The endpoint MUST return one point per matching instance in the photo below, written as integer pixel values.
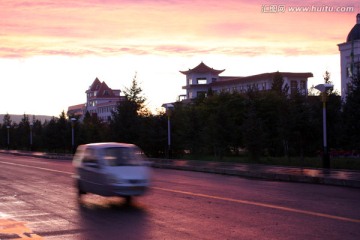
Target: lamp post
(31, 137)
(323, 88)
(8, 136)
(72, 135)
(169, 108)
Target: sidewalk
(346, 178)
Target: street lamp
(31, 137)
(323, 88)
(169, 108)
(8, 136)
(72, 134)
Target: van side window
(90, 156)
(123, 156)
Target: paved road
(37, 200)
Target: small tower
(199, 79)
(349, 57)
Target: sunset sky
(51, 51)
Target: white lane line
(258, 204)
(30, 215)
(40, 168)
(311, 213)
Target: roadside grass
(310, 162)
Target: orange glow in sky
(51, 51)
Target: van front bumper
(129, 190)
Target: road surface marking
(41, 168)
(311, 213)
(11, 229)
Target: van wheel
(80, 191)
(128, 200)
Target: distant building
(350, 57)
(101, 101)
(76, 110)
(202, 78)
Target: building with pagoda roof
(101, 101)
(350, 57)
(202, 78)
(202, 68)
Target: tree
(328, 81)
(7, 123)
(222, 119)
(126, 123)
(57, 134)
(253, 132)
(7, 120)
(281, 122)
(327, 77)
(301, 128)
(63, 132)
(273, 109)
(134, 96)
(278, 84)
(23, 132)
(187, 125)
(92, 129)
(37, 134)
(351, 113)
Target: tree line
(256, 123)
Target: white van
(111, 169)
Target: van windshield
(123, 156)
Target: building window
(302, 85)
(201, 80)
(293, 86)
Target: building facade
(202, 78)
(350, 57)
(101, 101)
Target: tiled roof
(202, 68)
(263, 76)
(104, 91)
(76, 107)
(95, 85)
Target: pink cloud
(110, 27)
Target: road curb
(199, 166)
(264, 175)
